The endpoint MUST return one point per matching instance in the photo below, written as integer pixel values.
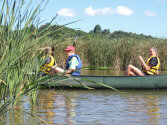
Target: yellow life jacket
(153, 70)
(47, 67)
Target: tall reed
(117, 53)
(20, 48)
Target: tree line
(59, 31)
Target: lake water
(92, 107)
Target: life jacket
(47, 67)
(78, 68)
(153, 70)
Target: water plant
(117, 53)
(20, 48)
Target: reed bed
(117, 53)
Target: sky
(148, 17)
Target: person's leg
(59, 70)
(132, 71)
(56, 70)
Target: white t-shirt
(73, 63)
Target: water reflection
(19, 115)
(101, 107)
(92, 107)
(148, 104)
(56, 107)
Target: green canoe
(117, 82)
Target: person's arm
(143, 63)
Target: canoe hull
(117, 82)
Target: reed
(20, 48)
(117, 53)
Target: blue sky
(137, 16)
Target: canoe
(117, 82)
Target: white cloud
(149, 13)
(90, 12)
(120, 10)
(93, 12)
(66, 12)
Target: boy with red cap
(73, 63)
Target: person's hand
(140, 58)
(157, 73)
(46, 47)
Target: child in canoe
(149, 68)
(50, 65)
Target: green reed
(117, 53)
(20, 49)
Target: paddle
(75, 39)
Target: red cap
(70, 48)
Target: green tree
(106, 31)
(97, 29)
(91, 32)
